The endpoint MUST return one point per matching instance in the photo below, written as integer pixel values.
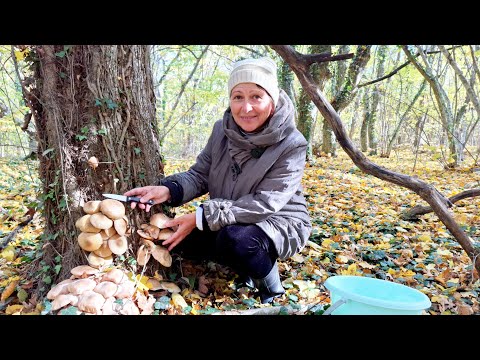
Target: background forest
(410, 109)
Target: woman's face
(251, 106)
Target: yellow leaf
(391, 271)
(407, 273)
(8, 290)
(13, 309)
(313, 253)
(8, 253)
(303, 285)
(445, 253)
(20, 55)
(157, 276)
(143, 279)
(5, 282)
(461, 218)
(327, 242)
(425, 238)
(178, 300)
(351, 270)
(298, 258)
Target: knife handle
(137, 199)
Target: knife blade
(127, 198)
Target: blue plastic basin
(358, 295)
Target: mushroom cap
(98, 262)
(106, 289)
(83, 224)
(90, 241)
(91, 207)
(159, 220)
(114, 209)
(118, 244)
(58, 290)
(170, 286)
(104, 250)
(143, 255)
(91, 302)
(110, 306)
(110, 231)
(79, 286)
(164, 234)
(120, 226)
(125, 289)
(143, 234)
(114, 275)
(93, 162)
(162, 255)
(64, 300)
(83, 271)
(101, 221)
(149, 231)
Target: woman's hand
(186, 223)
(158, 194)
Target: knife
(127, 198)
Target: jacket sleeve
(194, 181)
(278, 186)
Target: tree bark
(90, 101)
(306, 121)
(416, 211)
(438, 202)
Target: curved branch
(432, 196)
(413, 213)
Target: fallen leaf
(8, 290)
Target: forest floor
(357, 230)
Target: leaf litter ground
(357, 230)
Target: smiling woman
(253, 90)
(251, 167)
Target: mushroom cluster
(155, 230)
(93, 291)
(104, 230)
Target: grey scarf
(243, 147)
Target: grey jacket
(262, 186)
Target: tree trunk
(438, 202)
(372, 133)
(286, 81)
(442, 99)
(306, 121)
(364, 126)
(355, 116)
(347, 87)
(417, 141)
(402, 119)
(90, 101)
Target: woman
(252, 167)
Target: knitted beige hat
(262, 71)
